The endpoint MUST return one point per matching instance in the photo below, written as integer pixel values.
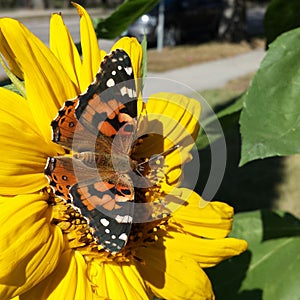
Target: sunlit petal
(62, 45)
(114, 281)
(202, 218)
(170, 120)
(173, 275)
(24, 151)
(206, 252)
(47, 84)
(178, 114)
(68, 281)
(30, 247)
(133, 48)
(91, 55)
(9, 55)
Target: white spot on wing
(119, 68)
(110, 82)
(123, 219)
(104, 222)
(123, 90)
(128, 70)
(113, 73)
(126, 91)
(107, 230)
(123, 237)
(130, 93)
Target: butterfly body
(99, 128)
(104, 161)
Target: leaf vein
(267, 255)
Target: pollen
(80, 234)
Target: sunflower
(47, 248)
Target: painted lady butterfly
(99, 127)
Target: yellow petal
(133, 48)
(68, 281)
(91, 55)
(47, 84)
(202, 218)
(24, 152)
(206, 252)
(173, 275)
(12, 60)
(170, 119)
(117, 281)
(30, 246)
(62, 45)
(199, 229)
(179, 115)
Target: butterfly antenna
(164, 154)
(153, 158)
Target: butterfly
(99, 127)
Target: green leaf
(122, 17)
(270, 269)
(270, 120)
(281, 16)
(228, 118)
(144, 62)
(12, 88)
(234, 107)
(17, 84)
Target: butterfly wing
(109, 208)
(60, 176)
(110, 102)
(99, 122)
(111, 233)
(105, 201)
(108, 108)
(65, 126)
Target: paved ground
(201, 76)
(37, 21)
(209, 75)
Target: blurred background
(177, 21)
(51, 3)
